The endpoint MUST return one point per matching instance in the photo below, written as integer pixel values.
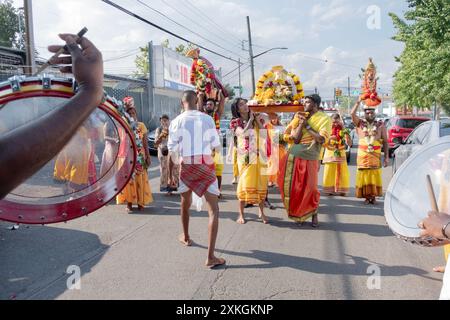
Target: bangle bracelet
(444, 233)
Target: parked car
(348, 122)
(151, 143)
(401, 127)
(224, 131)
(424, 134)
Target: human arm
(201, 101)
(354, 115)
(158, 137)
(23, 151)
(221, 107)
(148, 159)
(436, 225)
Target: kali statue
(369, 88)
(203, 76)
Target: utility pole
(252, 65)
(29, 43)
(240, 83)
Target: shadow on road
(35, 258)
(359, 267)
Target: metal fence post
(151, 83)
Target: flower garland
(279, 87)
(134, 125)
(338, 142)
(202, 76)
(370, 132)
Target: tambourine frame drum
(409, 184)
(96, 195)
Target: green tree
(10, 33)
(424, 74)
(230, 90)
(142, 65)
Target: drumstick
(59, 52)
(434, 205)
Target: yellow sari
(138, 189)
(369, 181)
(253, 180)
(336, 177)
(72, 163)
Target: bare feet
(264, 219)
(186, 241)
(439, 269)
(129, 208)
(141, 208)
(215, 262)
(241, 220)
(315, 221)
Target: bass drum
(87, 174)
(407, 199)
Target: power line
(198, 24)
(184, 27)
(234, 76)
(122, 57)
(164, 30)
(213, 23)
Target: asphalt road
(137, 256)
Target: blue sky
(314, 31)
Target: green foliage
(141, 60)
(230, 90)
(142, 65)
(424, 75)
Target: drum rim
(91, 200)
(388, 213)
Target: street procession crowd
(263, 152)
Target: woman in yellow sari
(138, 189)
(72, 163)
(336, 177)
(251, 149)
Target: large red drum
(87, 174)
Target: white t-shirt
(193, 133)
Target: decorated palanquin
(369, 87)
(203, 77)
(278, 91)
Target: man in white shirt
(193, 137)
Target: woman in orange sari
(276, 130)
(138, 189)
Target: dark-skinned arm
(355, 119)
(221, 107)
(25, 150)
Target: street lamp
(258, 55)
